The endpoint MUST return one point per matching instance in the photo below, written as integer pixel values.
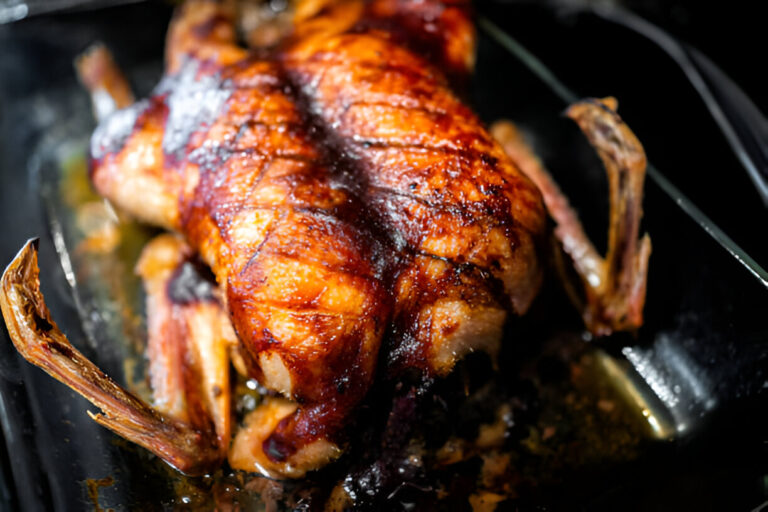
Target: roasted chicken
(345, 200)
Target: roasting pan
(674, 418)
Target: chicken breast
(466, 220)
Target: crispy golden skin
(219, 153)
(464, 217)
(442, 31)
(399, 212)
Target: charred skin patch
(191, 282)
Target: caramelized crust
(442, 186)
(440, 30)
(220, 154)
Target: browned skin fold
(100, 75)
(612, 288)
(440, 30)
(194, 451)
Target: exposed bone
(614, 286)
(39, 340)
(109, 88)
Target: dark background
(597, 58)
(732, 34)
